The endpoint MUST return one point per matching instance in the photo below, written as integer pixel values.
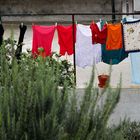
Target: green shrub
(62, 67)
(131, 131)
(34, 107)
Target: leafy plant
(62, 67)
(34, 107)
(131, 131)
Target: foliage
(34, 107)
(62, 67)
(131, 131)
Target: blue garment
(135, 67)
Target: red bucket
(103, 80)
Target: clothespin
(106, 22)
(56, 24)
(100, 20)
(66, 57)
(76, 22)
(21, 24)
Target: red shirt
(65, 38)
(97, 35)
(42, 38)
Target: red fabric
(42, 38)
(97, 35)
(65, 38)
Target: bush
(62, 67)
(34, 107)
(131, 131)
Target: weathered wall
(57, 6)
(53, 6)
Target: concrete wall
(83, 75)
(128, 106)
(133, 6)
(56, 6)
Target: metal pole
(74, 54)
(65, 14)
(113, 11)
(0, 20)
(127, 6)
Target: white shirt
(87, 54)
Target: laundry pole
(74, 54)
(0, 20)
(113, 11)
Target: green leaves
(38, 101)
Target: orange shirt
(114, 36)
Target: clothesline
(51, 22)
(109, 47)
(61, 14)
(72, 21)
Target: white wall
(83, 75)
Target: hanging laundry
(87, 54)
(23, 29)
(42, 38)
(98, 36)
(1, 33)
(135, 59)
(112, 56)
(65, 39)
(135, 67)
(114, 36)
(132, 36)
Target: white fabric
(132, 36)
(135, 62)
(87, 54)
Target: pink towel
(42, 38)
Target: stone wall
(56, 6)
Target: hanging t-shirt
(135, 67)
(98, 36)
(65, 39)
(42, 38)
(135, 60)
(114, 36)
(87, 54)
(132, 35)
(112, 56)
